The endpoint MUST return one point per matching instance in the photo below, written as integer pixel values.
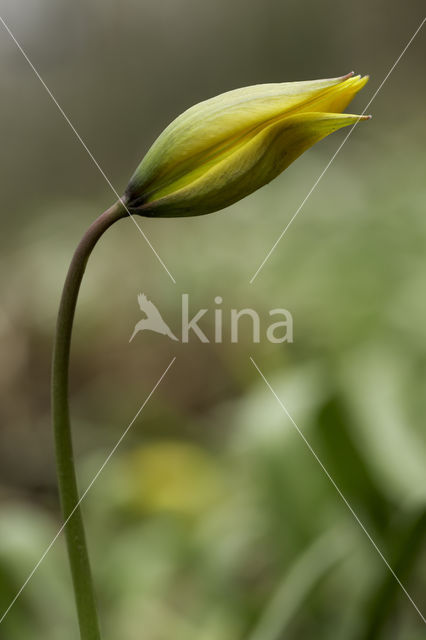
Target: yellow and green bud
(221, 150)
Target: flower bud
(221, 150)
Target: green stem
(74, 530)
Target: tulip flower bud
(221, 150)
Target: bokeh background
(213, 521)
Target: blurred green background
(213, 521)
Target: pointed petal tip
(358, 118)
(358, 76)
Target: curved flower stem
(74, 530)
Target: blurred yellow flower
(173, 477)
(221, 150)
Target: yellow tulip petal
(224, 148)
(210, 127)
(256, 161)
(336, 100)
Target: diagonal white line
(80, 139)
(331, 479)
(92, 482)
(317, 181)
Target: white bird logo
(153, 320)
